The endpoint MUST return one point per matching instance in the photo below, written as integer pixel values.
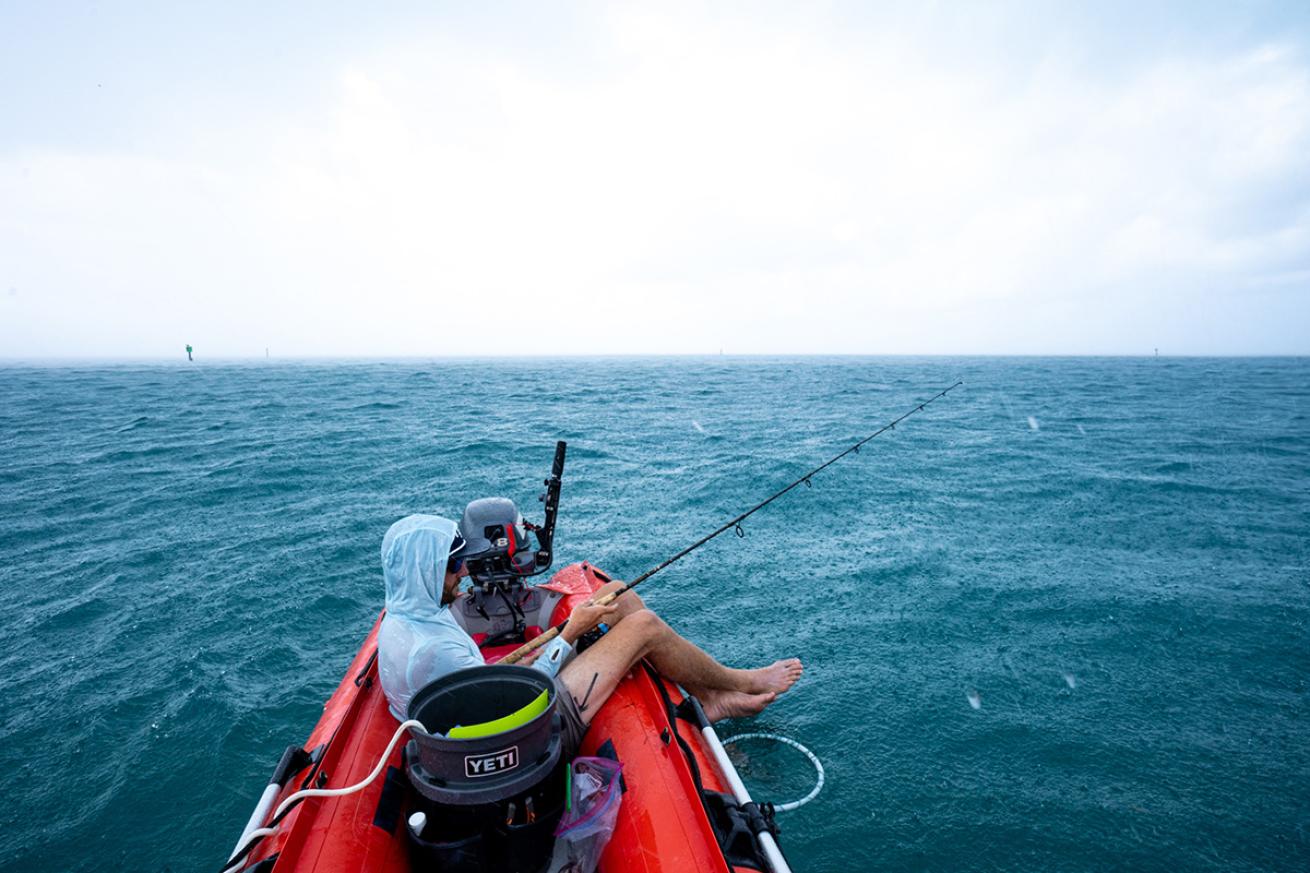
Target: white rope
(814, 759)
(337, 792)
(327, 792)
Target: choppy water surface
(1057, 622)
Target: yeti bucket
(506, 741)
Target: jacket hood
(414, 554)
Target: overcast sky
(478, 178)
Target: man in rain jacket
(420, 640)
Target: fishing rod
(734, 525)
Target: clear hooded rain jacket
(420, 641)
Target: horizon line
(9, 360)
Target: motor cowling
(498, 545)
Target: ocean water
(1056, 622)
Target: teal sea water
(1057, 622)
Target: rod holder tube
(293, 759)
(257, 817)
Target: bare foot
(777, 677)
(719, 705)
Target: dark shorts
(573, 726)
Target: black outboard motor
(489, 802)
(500, 558)
(498, 549)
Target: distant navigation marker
(188, 352)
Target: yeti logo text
(491, 763)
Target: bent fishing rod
(733, 525)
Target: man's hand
(586, 617)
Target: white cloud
(696, 184)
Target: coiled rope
(814, 759)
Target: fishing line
(733, 525)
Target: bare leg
(685, 663)
(592, 677)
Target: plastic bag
(588, 823)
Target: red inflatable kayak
(683, 807)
